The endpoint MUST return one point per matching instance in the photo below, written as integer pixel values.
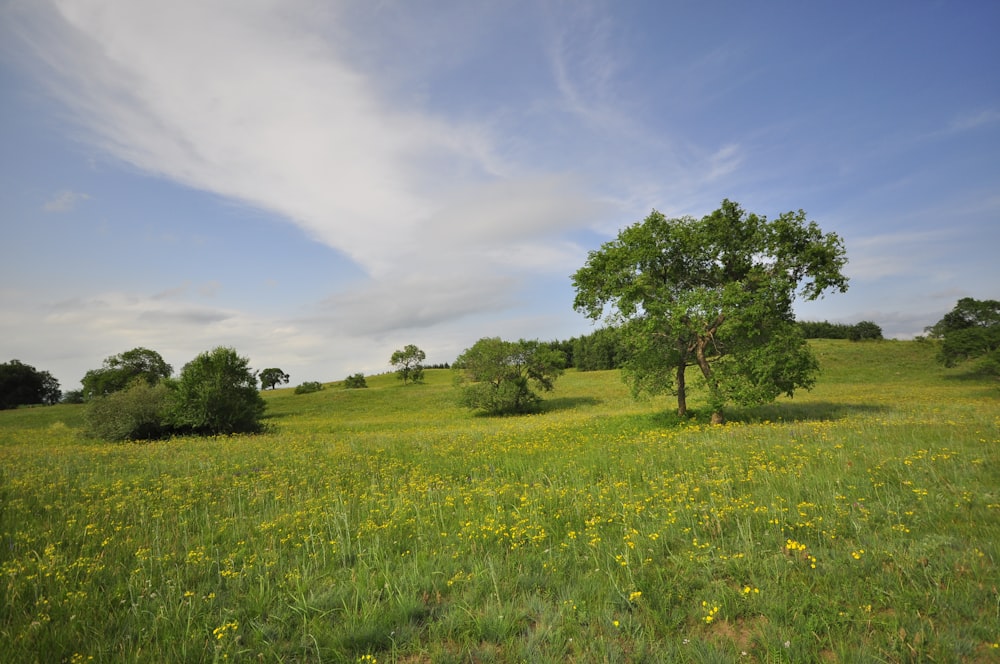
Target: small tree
(217, 394)
(497, 376)
(866, 330)
(355, 381)
(970, 330)
(271, 377)
(408, 363)
(119, 371)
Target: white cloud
(245, 100)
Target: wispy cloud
(255, 106)
(64, 201)
(974, 120)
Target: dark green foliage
(139, 412)
(409, 363)
(217, 394)
(308, 387)
(715, 293)
(119, 371)
(825, 330)
(970, 330)
(269, 378)
(21, 384)
(355, 381)
(566, 348)
(600, 350)
(866, 330)
(73, 396)
(497, 376)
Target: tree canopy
(970, 330)
(409, 363)
(22, 384)
(119, 371)
(217, 394)
(498, 375)
(715, 293)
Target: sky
(317, 183)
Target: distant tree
(72, 396)
(866, 330)
(715, 293)
(355, 381)
(600, 350)
(970, 330)
(409, 363)
(309, 387)
(497, 376)
(139, 412)
(825, 330)
(567, 348)
(119, 371)
(217, 394)
(22, 384)
(271, 377)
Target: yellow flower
(634, 595)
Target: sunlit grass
(858, 522)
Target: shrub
(139, 412)
(355, 381)
(217, 394)
(308, 387)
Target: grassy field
(859, 522)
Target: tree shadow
(810, 411)
(565, 403)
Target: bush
(355, 381)
(73, 396)
(139, 412)
(217, 394)
(308, 387)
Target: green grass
(859, 522)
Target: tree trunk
(682, 405)
(713, 388)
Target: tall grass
(859, 522)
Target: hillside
(856, 522)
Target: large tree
(119, 371)
(970, 330)
(22, 384)
(409, 363)
(715, 293)
(498, 376)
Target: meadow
(858, 522)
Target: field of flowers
(859, 522)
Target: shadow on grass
(565, 403)
(813, 411)
(804, 412)
(545, 406)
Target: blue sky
(318, 184)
